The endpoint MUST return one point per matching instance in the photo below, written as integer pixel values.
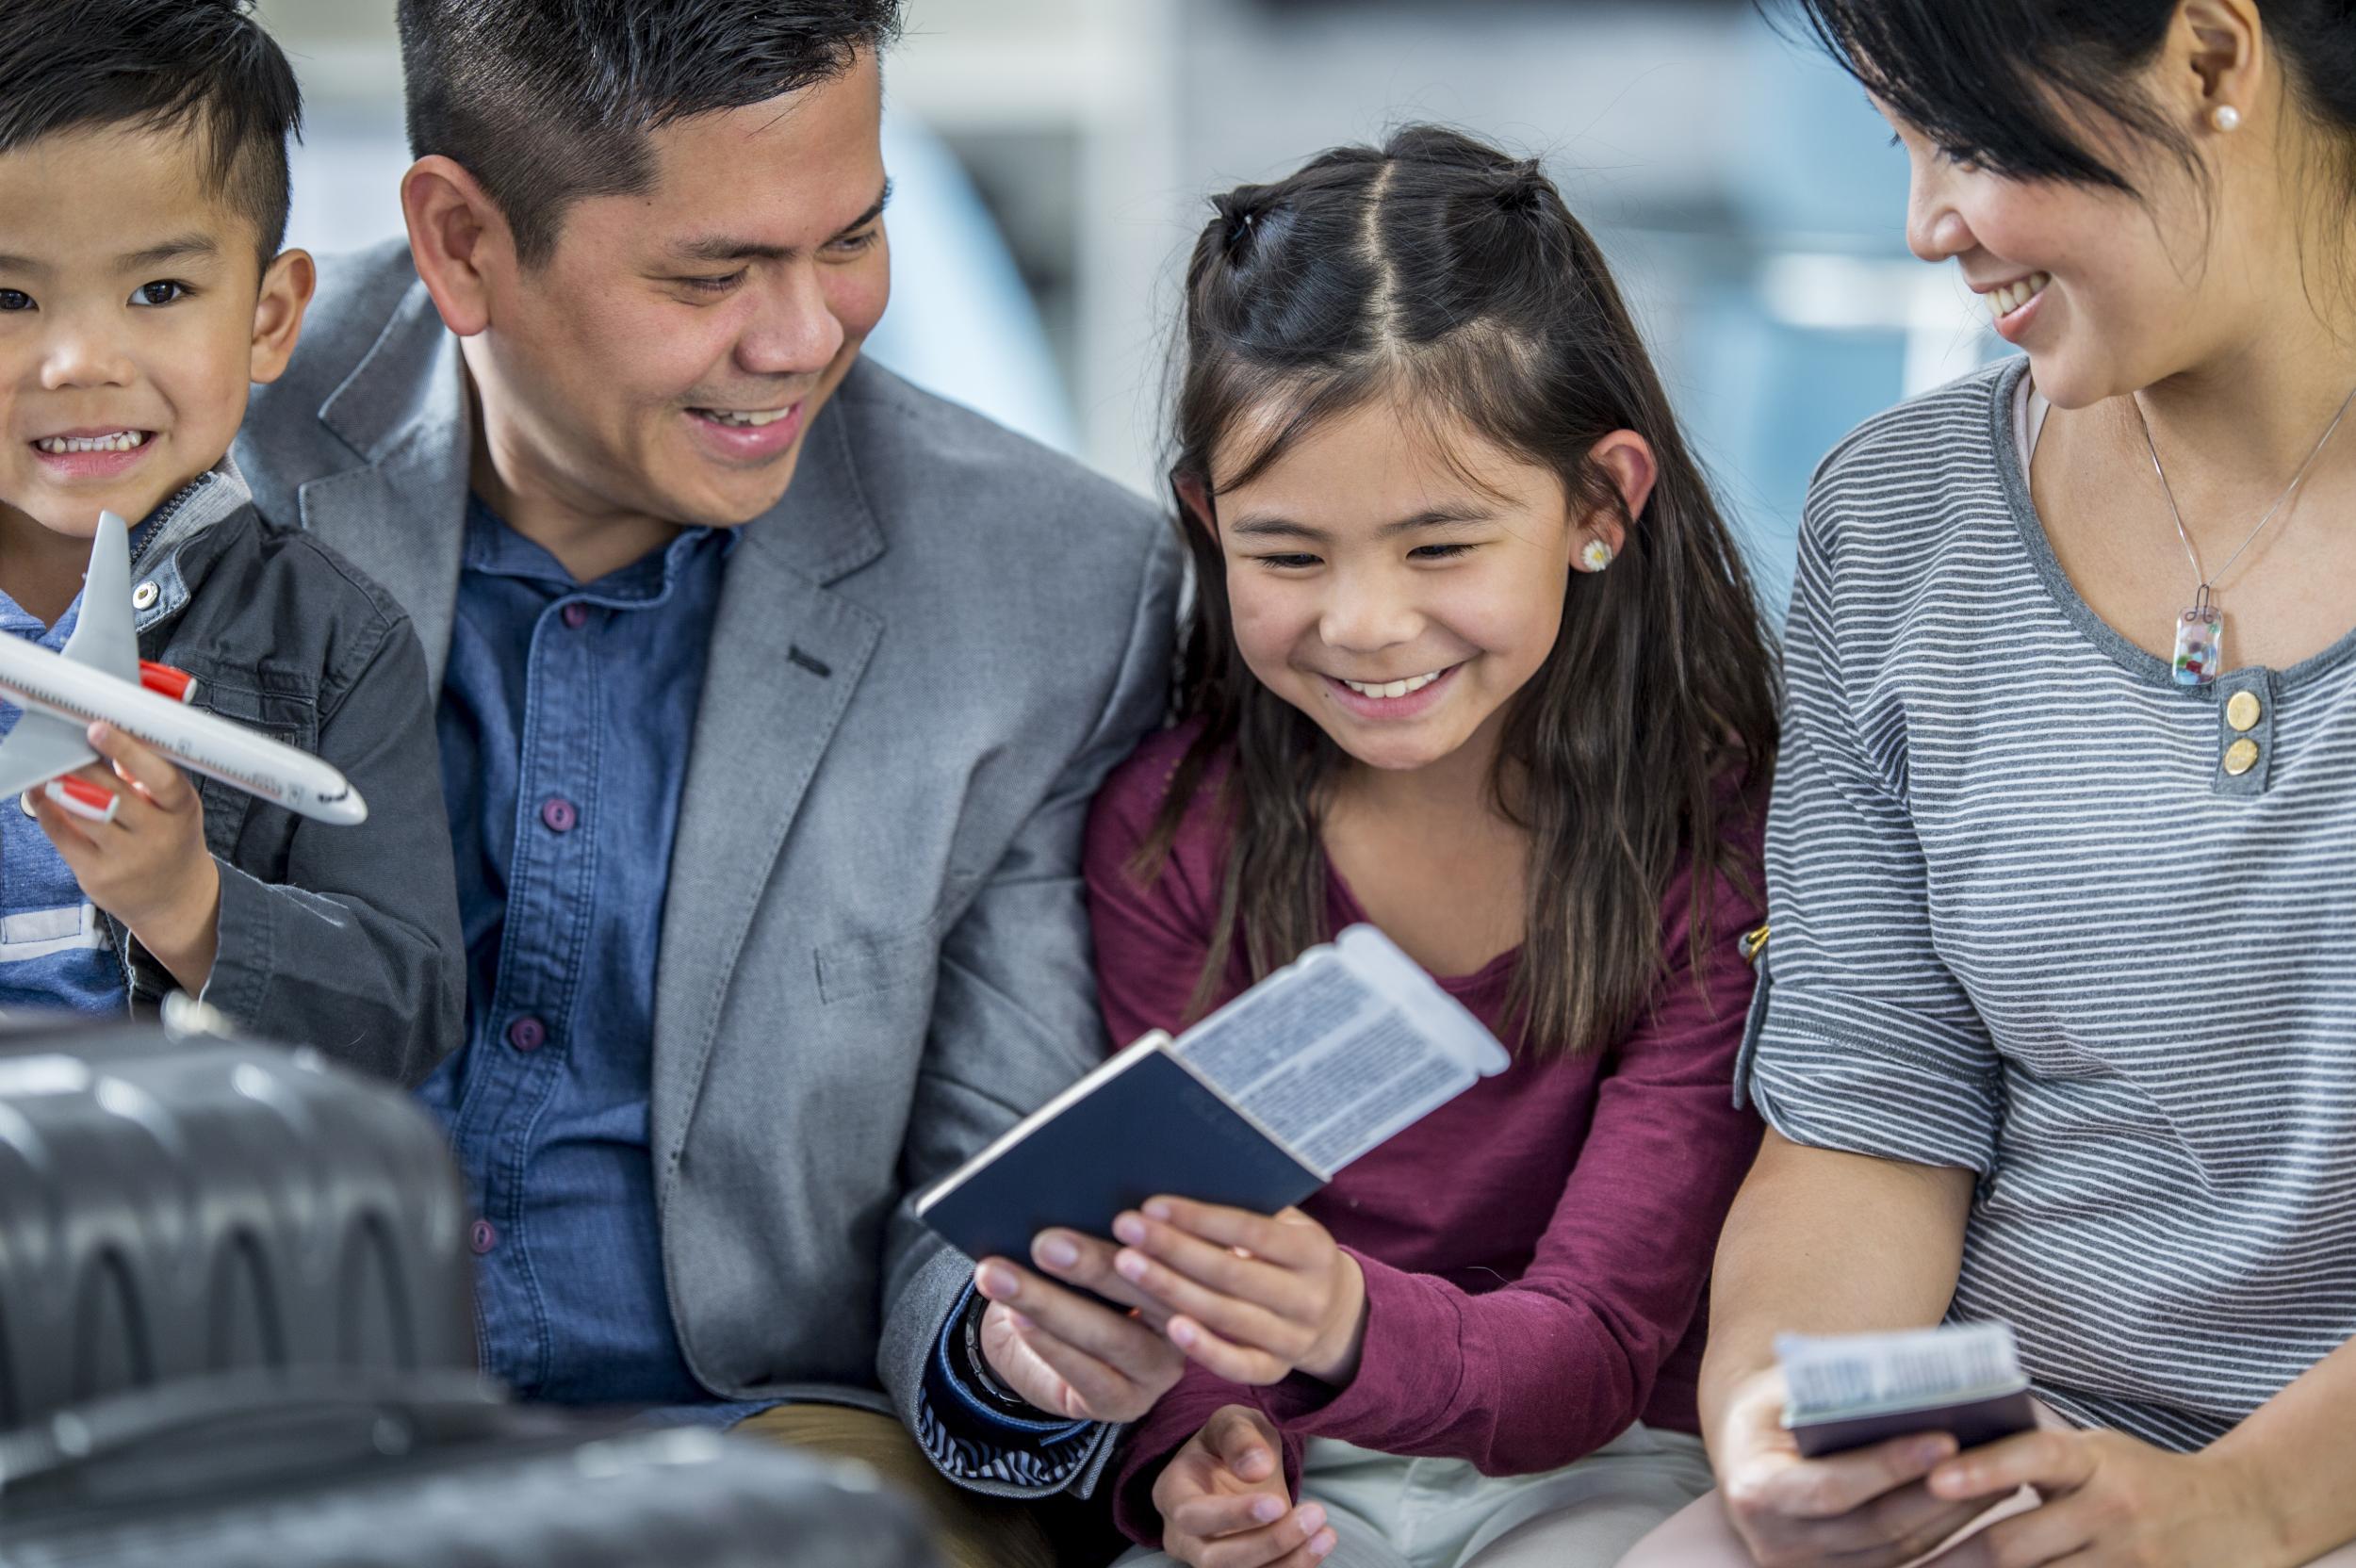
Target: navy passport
(1140, 1126)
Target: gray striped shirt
(2027, 921)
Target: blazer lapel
(401, 516)
(786, 656)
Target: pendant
(2200, 640)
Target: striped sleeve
(1863, 1041)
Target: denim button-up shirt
(566, 720)
(566, 717)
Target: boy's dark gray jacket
(343, 938)
(875, 954)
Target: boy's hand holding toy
(148, 867)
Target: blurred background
(1051, 160)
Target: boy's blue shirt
(343, 938)
(54, 947)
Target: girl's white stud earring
(2225, 117)
(1595, 557)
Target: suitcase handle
(300, 1420)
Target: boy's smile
(130, 325)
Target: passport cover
(1140, 1126)
(1971, 1424)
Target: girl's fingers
(1279, 1242)
(165, 784)
(1250, 1278)
(1283, 1544)
(1211, 1518)
(1237, 1363)
(1245, 1322)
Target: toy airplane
(100, 674)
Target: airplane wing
(38, 749)
(103, 635)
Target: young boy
(143, 197)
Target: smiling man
(773, 693)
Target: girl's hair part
(1450, 280)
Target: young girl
(2063, 970)
(1474, 660)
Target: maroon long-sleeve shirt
(1534, 1251)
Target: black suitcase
(177, 1204)
(336, 1471)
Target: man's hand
(1870, 1508)
(148, 868)
(2110, 1501)
(1065, 1353)
(1223, 1502)
(1252, 1297)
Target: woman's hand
(1253, 1298)
(1869, 1509)
(148, 868)
(1223, 1502)
(1067, 1354)
(2110, 1501)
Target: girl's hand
(1223, 1502)
(1870, 1508)
(1253, 1298)
(148, 868)
(2109, 1501)
(1065, 1353)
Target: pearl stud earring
(1595, 557)
(2225, 117)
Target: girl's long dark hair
(1439, 272)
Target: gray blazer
(874, 955)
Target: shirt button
(2241, 756)
(559, 815)
(576, 614)
(144, 595)
(482, 1237)
(527, 1034)
(2243, 712)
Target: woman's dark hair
(1996, 82)
(1439, 273)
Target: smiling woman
(2001, 1080)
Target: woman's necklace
(2201, 629)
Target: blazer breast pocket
(871, 963)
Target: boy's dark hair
(546, 101)
(204, 66)
(1438, 272)
(1997, 82)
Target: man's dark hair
(546, 101)
(199, 66)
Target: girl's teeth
(122, 441)
(2005, 301)
(1393, 688)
